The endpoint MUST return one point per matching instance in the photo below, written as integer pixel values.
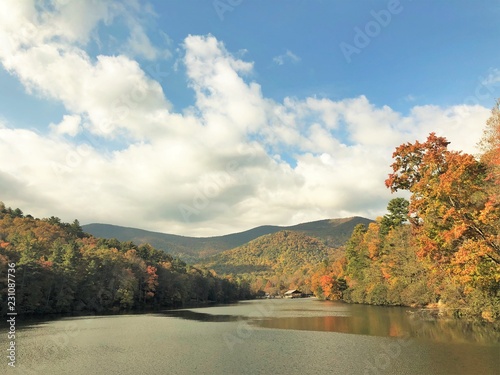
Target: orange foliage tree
(454, 208)
(450, 203)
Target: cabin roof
(293, 291)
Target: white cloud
(287, 56)
(218, 167)
(113, 93)
(70, 125)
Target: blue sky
(424, 52)
(207, 117)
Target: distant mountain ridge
(332, 232)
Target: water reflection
(326, 316)
(314, 315)
(201, 317)
(358, 320)
(387, 322)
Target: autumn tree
(448, 197)
(454, 214)
(490, 145)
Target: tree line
(61, 269)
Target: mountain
(332, 232)
(283, 252)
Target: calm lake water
(302, 336)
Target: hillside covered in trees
(61, 269)
(283, 252)
(275, 262)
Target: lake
(298, 336)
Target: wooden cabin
(293, 293)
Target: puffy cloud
(112, 92)
(234, 160)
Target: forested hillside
(276, 262)
(61, 269)
(284, 252)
